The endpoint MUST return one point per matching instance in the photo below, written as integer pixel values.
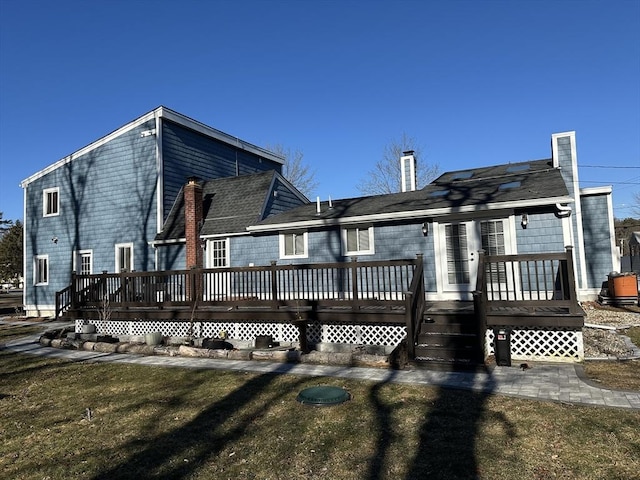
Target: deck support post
(302, 329)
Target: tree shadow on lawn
(447, 438)
(199, 439)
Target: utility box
(502, 346)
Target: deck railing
(355, 283)
(415, 307)
(530, 283)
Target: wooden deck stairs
(449, 339)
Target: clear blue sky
(475, 82)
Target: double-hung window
(41, 270)
(124, 257)
(50, 202)
(217, 253)
(293, 245)
(357, 241)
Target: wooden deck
(518, 291)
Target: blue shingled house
(101, 207)
(167, 193)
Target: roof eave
(407, 215)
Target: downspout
(563, 210)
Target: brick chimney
(193, 222)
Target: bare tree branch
(295, 170)
(385, 177)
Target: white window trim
(118, 267)
(36, 270)
(346, 252)
(76, 256)
(45, 195)
(209, 252)
(305, 239)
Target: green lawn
(65, 420)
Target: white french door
(457, 248)
(217, 284)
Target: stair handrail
(415, 306)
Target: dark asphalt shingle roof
(229, 206)
(529, 181)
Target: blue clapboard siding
(187, 153)
(544, 234)
(107, 196)
(597, 239)
(391, 243)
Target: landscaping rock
(105, 347)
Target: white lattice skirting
(316, 333)
(560, 345)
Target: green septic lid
(323, 395)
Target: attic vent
(462, 176)
(518, 168)
(439, 193)
(509, 185)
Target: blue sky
(475, 82)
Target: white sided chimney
(408, 169)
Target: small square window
(358, 241)
(41, 270)
(293, 245)
(50, 202)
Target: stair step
(450, 365)
(447, 352)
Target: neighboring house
(100, 208)
(631, 262)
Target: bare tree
(636, 206)
(386, 174)
(295, 170)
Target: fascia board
(409, 215)
(178, 241)
(218, 135)
(92, 146)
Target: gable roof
(516, 185)
(230, 205)
(158, 113)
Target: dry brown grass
(152, 422)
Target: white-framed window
(124, 257)
(83, 262)
(294, 245)
(41, 270)
(357, 241)
(218, 253)
(50, 202)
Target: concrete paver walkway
(555, 382)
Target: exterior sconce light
(203, 244)
(524, 221)
(54, 240)
(425, 228)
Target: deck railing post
(480, 299)
(571, 281)
(74, 295)
(354, 282)
(274, 283)
(408, 313)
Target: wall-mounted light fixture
(524, 221)
(54, 239)
(425, 228)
